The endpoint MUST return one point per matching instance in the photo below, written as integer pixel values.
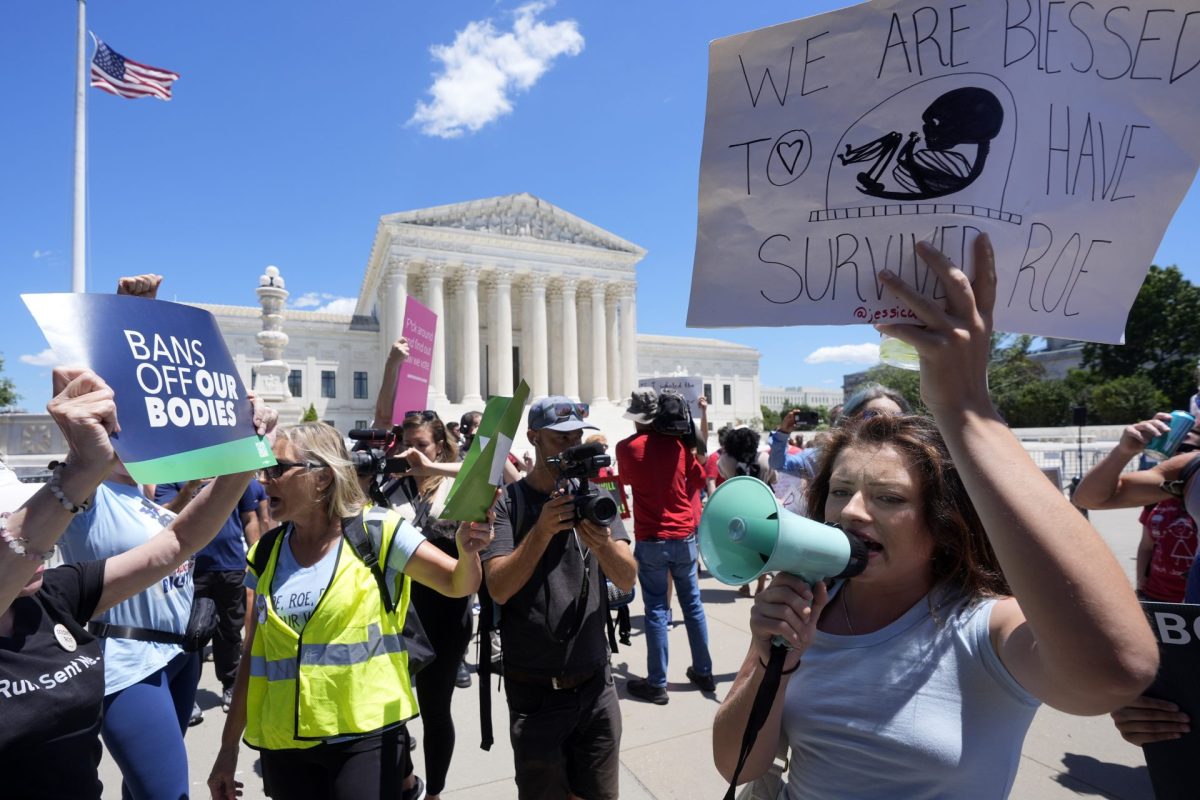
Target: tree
(770, 419)
(8, 390)
(1038, 404)
(905, 381)
(1162, 338)
(310, 415)
(1123, 401)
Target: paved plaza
(666, 750)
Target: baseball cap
(558, 413)
(643, 405)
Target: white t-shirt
(916, 710)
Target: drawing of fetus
(962, 117)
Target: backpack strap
(365, 536)
(1179, 485)
(263, 548)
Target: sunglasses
(276, 470)
(564, 410)
(428, 415)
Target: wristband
(20, 545)
(786, 671)
(55, 486)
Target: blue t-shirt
(120, 519)
(296, 590)
(227, 551)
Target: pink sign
(412, 384)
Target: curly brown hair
(963, 559)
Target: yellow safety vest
(347, 673)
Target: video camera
(370, 454)
(674, 417)
(584, 462)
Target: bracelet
(784, 672)
(55, 486)
(20, 545)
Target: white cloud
(484, 67)
(325, 303)
(46, 358)
(40, 254)
(845, 354)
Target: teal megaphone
(744, 532)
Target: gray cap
(558, 413)
(643, 405)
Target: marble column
(570, 340)
(435, 298)
(469, 363)
(554, 343)
(599, 346)
(500, 372)
(538, 356)
(397, 295)
(628, 314)
(615, 354)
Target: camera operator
(661, 465)
(544, 571)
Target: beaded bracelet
(55, 486)
(20, 545)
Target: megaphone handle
(761, 709)
(779, 642)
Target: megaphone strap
(760, 710)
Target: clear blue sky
(292, 130)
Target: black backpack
(674, 417)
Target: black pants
(447, 623)
(370, 768)
(226, 590)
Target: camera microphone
(370, 434)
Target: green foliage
(905, 381)
(310, 415)
(1162, 335)
(1038, 404)
(1125, 400)
(8, 390)
(770, 419)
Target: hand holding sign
(1148, 719)
(140, 285)
(84, 411)
(955, 342)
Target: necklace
(846, 608)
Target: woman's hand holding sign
(140, 285)
(85, 412)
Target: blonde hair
(316, 441)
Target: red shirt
(1174, 534)
(710, 468)
(666, 479)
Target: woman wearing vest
(324, 687)
(420, 500)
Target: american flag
(117, 75)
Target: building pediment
(517, 216)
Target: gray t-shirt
(917, 710)
(536, 622)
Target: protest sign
(691, 387)
(789, 491)
(412, 384)
(180, 403)
(1173, 763)
(483, 468)
(832, 145)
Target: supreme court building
(522, 290)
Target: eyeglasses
(276, 470)
(564, 410)
(428, 415)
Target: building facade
(774, 397)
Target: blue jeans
(676, 558)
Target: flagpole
(79, 244)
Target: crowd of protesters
(340, 602)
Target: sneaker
(642, 690)
(227, 699)
(417, 792)
(475, 609)
(625, 640)
(704, 683)
(463, 679)
(197, 716)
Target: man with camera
(661, 465)
(555, 542)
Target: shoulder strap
(262, 549)
(365, 535)
(1191, 469)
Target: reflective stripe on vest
(340, 655)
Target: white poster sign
(691, 387)
(1065, 130)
